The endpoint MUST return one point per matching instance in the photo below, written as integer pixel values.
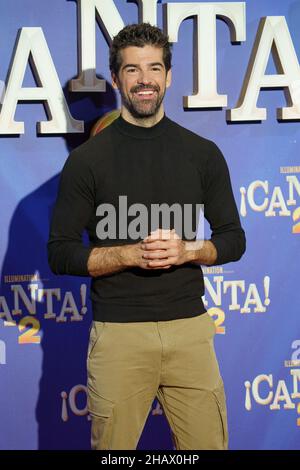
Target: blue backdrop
(44, 319)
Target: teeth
(145, 93)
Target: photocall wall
(236, 81)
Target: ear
(114, 81)
(168, 78)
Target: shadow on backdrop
(63, 344)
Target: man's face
(142, 80)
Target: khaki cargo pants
(129, 364)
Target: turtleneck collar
(140, 132)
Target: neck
(144, 121)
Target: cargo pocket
(219, 396)
(102, 422)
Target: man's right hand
(112, 259)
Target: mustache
(139, 88)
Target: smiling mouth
(145, 93)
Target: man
(151, 335)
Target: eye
(156, 68)
(131, 69)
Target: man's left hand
(164, 248)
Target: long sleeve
(163, 163)
(220, 210)
(73, 209)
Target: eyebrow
(136, 65)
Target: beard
(142, 108)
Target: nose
(144, 77)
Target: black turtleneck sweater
(165, 163)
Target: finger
(176, 236)
(159, 263)
(155, 245)
(161, 267)
(161, 254)
(159, 234)
(170, 261)
(172, 252)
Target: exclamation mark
(267, 290)
(64, 410)
(83, 298)
(243, 209)
(2, 91)
(248, 405)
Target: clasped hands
(164, 248)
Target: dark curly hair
(138, 35)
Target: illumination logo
(27, 310)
